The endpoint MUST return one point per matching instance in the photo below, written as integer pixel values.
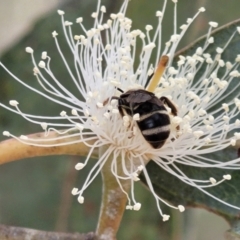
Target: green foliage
(177, 192)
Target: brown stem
(12, 149)
(113, 202)
(17, 233)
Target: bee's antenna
(120, 90)
(158, 73)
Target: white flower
(104, 68)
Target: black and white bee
(154, 121)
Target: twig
(17, 233)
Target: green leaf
(177, 192)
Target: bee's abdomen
(155, 127)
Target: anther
(81, 199)
(13, 103)
(60, 12)
(29, 50)
(181, 208)
(212, 180)
(79, 166)
(74, 191)
(227, 177)
(6, 133)
(165, 217)
(42, 64)
(137, 206)
(63, 114)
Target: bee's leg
(166, 101)
(120, 90)
(110, 99)
(120, 106)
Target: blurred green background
(35, 193)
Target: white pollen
(142, 35)
(181, 208)
(221, 63)
(6, 133)
(202, 9)
(219, 50)
(79, 166)
(237, 122)
(54, 34)
(233, 142)
(77, 37)
(63, 114)
(134, 131)
(202, 112)
(36, 71)
(106, 115)
(74, 112)
(74, 191)
(140, 167)
(136, 117)
(183, 27)
(211, 40)
(237, 135)
(159, 14)
(13, 103)
(198, 134)
(103, 9)
(137, 206)
(226, 118)
(94, 15)
(60, 12)
(135, 177)
(67, 23)
(81, 199)
(238, 29)
(212, 180)
(126, 118)
(115, 110)
(225, 107)
(165, 217)
(129, 207)
(23, 137)
(189, 20)
(42, 64)
(207, 140)
(199, 51)
(44, 125)
(29, 50)
(149, 27)
(209, 127)
(99, 104)
(79, 20)
(79, 126)
(227, 177)
(213, 24)
(177, 120)
(234, 73)
(44, 55)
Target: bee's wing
(140, 96)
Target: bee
(154, 121)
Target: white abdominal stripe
(143, 117)
(156, 130)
